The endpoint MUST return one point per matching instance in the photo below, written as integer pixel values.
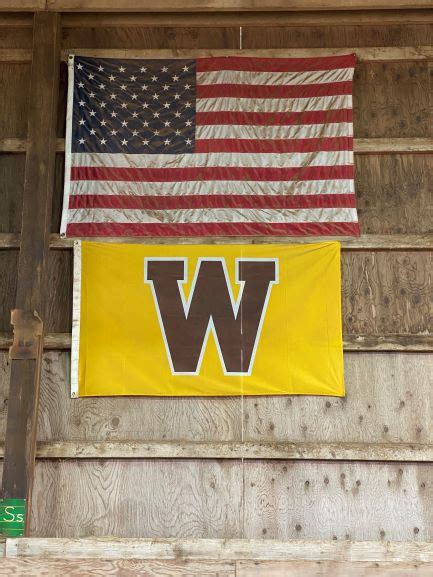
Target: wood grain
(257, 19)
(326, 568)
(374, 53)
(138, 498)
(387, 293)
(8, 287)
(222, 5)
(356, 501)
(11, 186)
(223, 549)
(401, 452)
(145, 38)
(109, 418)
(393, 193)
(334, 35)
(14, 95)
(388, 399)
(58, 567)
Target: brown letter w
(186, 324)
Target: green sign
(12, 517)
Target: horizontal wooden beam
(247, 19)
(352, 343)
(398, 452)
(224, 6)
(373, 242)
(378, 54)
(361, 145)
(219, 549)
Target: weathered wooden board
(357, 501)
(38, 567)
(387, 293)
(14, 94)
(401, 109)
(166, 38)
(138, 498)
(394, 194)
(383, 293)
(110, 418)
(8, 286)
(389, 398)
(327, 568)
(16, 37)
(223, 549)
(11, 191)
(335, 36)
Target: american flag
(210, 146)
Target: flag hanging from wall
(180, 320)
(210, 146)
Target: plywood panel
(389, 398)
(138, 499)
(109, 418)
(383, 293)
(14, 95)
(391, 99)
(336, 36)
(394, 194)
(386, 293)
(365, 501)
(37, 567)
(334, 568)
(11, 191)
(123, 37)
(8, 285)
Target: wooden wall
(385, 293)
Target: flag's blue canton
(134, 106)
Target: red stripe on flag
(273, 91)
(232, 173)
(252, 64)
(214, 229)
(123, 201)
(278, 146)
(275, 118)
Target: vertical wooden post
(26, 353)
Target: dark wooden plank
(20, 444)
(14, 96)
(11, 187)
(8, 287)
(335, 36)
(133, 37)
(16, 37)
(392, 100)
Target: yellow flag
(179, 320)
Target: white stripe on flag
(208, 215)
(275, 78)
(274, 132)
(214, 159)
(267, 105)
(209, 188)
